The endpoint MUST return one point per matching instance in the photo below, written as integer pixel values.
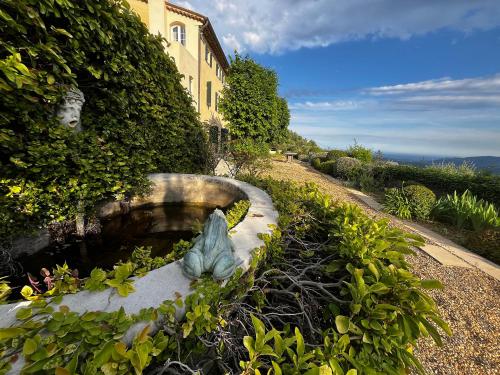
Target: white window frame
(178, 33)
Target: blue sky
(420, 77)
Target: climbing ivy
(137, 118)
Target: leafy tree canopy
(251, 104)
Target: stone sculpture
(212, 250)
(71, 108)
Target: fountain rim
(167, 282)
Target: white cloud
(280, 25)
(482, 84)
(437, 117)
(473, 93)
(336, 105)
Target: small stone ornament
(71, 108)
(213, 250)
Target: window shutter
(209, 94)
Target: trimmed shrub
(329, 167)
(485, 243)
(137, 117)
(421, 200)
(348, 168)
(335, 154)
(466, 211)
(483, 186)
(316, 163)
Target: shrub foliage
(137, 118)
(437, 179)
(410, 202)
(333, 294)
(250, 102)
(343, 283)
(466, 211)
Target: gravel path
(470, 301)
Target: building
(192, 43)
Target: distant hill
(488, 163)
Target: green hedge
(137, 117)
(485, 187)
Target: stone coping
(167, 282)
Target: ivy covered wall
(137, 118)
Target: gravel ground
(469, 302)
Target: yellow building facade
(192, 43)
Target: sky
(401, 76)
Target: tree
(250, 102)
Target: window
(209, 94)
(217, 70)
(190, 85)
(179, 34)
(208, 55)
(217, 97)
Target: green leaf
(342, 323)
(260, 329)
(103, 356)
(29, 347)
(300, 342)
(431, 284)
(249, 344)
(25, 313)
(276, 368)
(8, 333)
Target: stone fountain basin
(167, 282)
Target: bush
(329, 167)
(466, 211)
(316, 163)
(348, 168)
(464, 169)
(365, 180)
(335, 154)
(137, 117)
(250, 103)
(361, 153)
(397, 203)
(369, 323)
(483, 186)
(421, 200)
(248, 156)
(412, 201)
(485, 243)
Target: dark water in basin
(159, 227)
